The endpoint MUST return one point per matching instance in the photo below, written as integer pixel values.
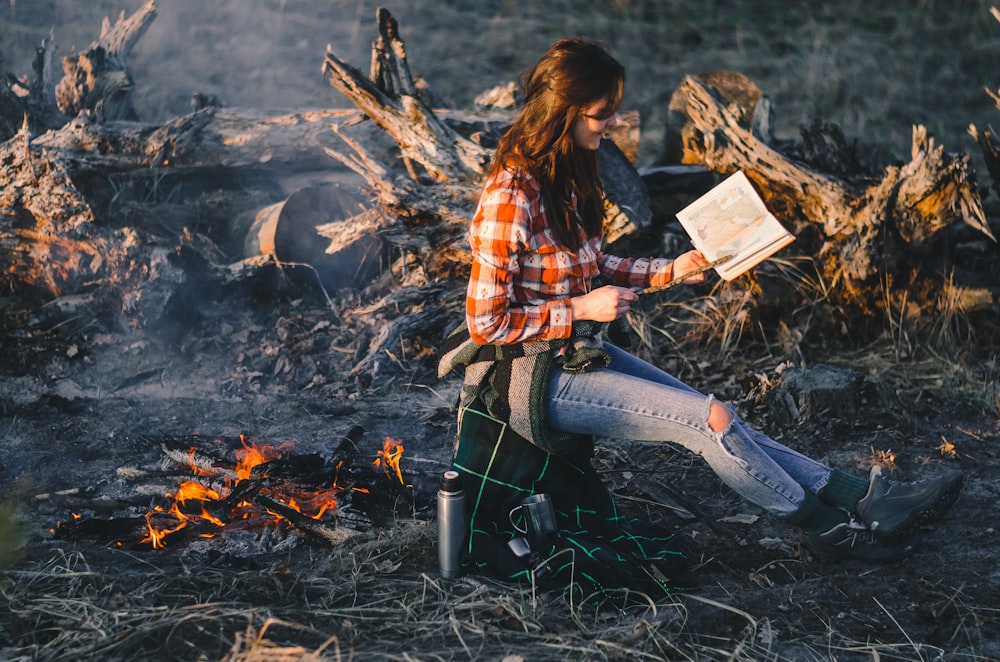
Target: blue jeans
(632, 399)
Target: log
(911, 205)
(331, 228)
(54, 244)
(210, 138)
(332, 535)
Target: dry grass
(352, 604)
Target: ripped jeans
(632, 399)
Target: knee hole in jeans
(719, 417)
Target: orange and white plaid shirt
(522, 280)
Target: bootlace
(859, 533)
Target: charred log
(320, 531)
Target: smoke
(262, 54)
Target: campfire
(228, 488)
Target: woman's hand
(605, 304)
(688, 262)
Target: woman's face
(589, 127)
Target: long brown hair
(571, 75)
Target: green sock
(814, 516)
(844, 490)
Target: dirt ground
(87, 402)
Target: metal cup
(538, 517)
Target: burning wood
(262, 487)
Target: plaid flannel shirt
(522, 279)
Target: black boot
(894, 510)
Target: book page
(731, 220)
(727, 220)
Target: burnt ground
(87, 408)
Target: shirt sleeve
(637, 271)
(499, 235)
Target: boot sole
(904, 548)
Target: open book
(731, 219)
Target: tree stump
(98, 79)
(823, 393)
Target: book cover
(732, 220)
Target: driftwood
(869, 228)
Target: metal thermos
(451, 522)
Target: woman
(534, 359)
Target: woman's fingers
(604, 304)
(688, 262)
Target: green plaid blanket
(604, 557)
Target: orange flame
(389, 457)
(190, 494)
(250, 456)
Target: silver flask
(451, 523)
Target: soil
(85, 401)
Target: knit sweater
(511, 379)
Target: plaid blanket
(600, 555)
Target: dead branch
(98, 79)
(422, 137)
